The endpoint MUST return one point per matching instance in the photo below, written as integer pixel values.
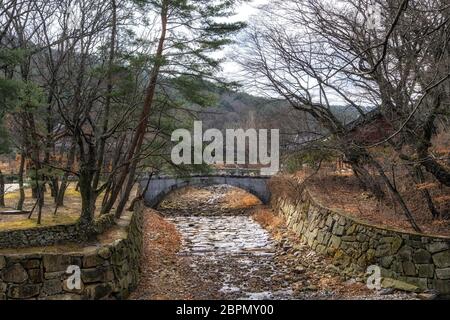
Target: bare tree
(318, 55)
(104, 98)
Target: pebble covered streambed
(203, 244)
(237, 251)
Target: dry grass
(269, 221)
(266, 218)
(238, 198)
(161, 277)
(69, 213)
(186, 198)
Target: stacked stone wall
(108, 270)
(52, 235)
(418, 259)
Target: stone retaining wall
(51, 235)
(109, 269)
(423, 261)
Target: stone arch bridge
(161, 186)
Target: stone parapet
(109, 268)
(354, 245)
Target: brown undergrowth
(343, 192)
(67, 214)
(214, 198)
(160, 271)
(265, 217)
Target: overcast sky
(244, 12)
(247, 9)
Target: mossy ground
(67, 214)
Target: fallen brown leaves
(213, 199)
(160, 276)
(265, 217)
(344, 193)
(240, 199)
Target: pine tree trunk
(136, 145)
(108, 100)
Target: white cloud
(243, 13)
(246, 10)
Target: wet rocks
(234, 258)
(224, 234)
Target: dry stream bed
(201, 250)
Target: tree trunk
(356, 158)
(368, 181)
(126, 194)
(64, 181)
(109, 90)
(54, 187)
(395, 193)
(112, 183)
(420, 179)
(436, 169)
(40, 195)
(138, 138)
(34, 191)
(86, 176)
(416, 174)
(423, 145)
(40, 201)
(21, 187)
(88, 196)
